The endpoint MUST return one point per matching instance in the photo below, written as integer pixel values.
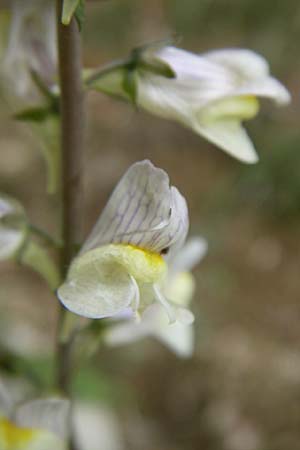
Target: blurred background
(241, 389)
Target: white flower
(41, 424)
(12, 227)
(179, 287)
(31, 44)
(143, 220)
(212, 93)
(96, 428)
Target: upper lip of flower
(143, 211)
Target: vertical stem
(72, 122)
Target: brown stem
(72, 122)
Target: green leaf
(37, 258)
(69, 8)
(80, 13)
(157, 67)
(35, 114)
(130, 85)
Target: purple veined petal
(143, 211)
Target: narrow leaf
(69, 8)
(35, 114)
(37, 258)
(130, 85)
(80, 13)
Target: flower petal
(96, 287)
(243, 61)
(154, 322)
(180, 288)
(10, 241)
(51, 414)
(143, 211)
(230, 136)
(13, 437)
(189, 255)
(252, 73)
(6, 403)
(12, 226)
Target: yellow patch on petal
(145, 266)
(240, 108)
(13, 437)
(142, 264)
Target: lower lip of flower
(144, 265)
(241, 107)
(13, 435)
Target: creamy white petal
(267, 87)
(252, 74)
(154, 322)
(44, 440)
(179, 288)
(12, 226)
(10, 242)
(125, 333)
(244, 62)
(143, 211)
(6, 403)
(13, 437)
(96, 428)
(179, 338)
(188, 255)
(31, 43)
(230, 136)
(52, 414)
(190, 66)
(97, 288)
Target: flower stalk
(72, 124)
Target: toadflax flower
(41, 424)
(211, 93)
(144, 222)
(28, 61)
(31, 45)
(16, 242)
(179, 287)
(13, 227)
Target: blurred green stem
(72, 123)
(47, 238)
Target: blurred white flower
(123, 257)
(211, 93)
(28, 61)
(16, 242)
(179, 287)
(96, 428)
(41, 424)
(13, 227)
(30, 45)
